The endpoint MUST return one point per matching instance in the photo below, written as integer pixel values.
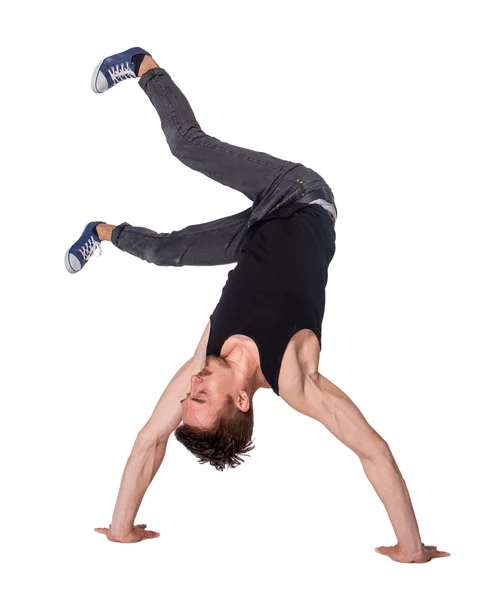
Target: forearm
(386, 479)
(142, 465)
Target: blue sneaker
(83, 249)
(114, 69)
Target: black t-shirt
(277, 287)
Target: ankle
(146, 64)
(104, 232)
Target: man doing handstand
(265, 331)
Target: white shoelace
(120, 73)
(89, 247)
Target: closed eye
(194, 399)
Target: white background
(380, 98)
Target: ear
(242, 401)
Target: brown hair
(225, 441)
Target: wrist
(412, 552)
(118, 537)
(120, 532)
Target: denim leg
(266, 180)
(217, 242)
(250, 172)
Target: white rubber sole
(68, 266)
(94, 79)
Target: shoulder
(300, 361)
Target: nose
(199, 378)
(195, 380)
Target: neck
(247, 366)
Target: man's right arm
(150, 445)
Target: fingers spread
(101, 529)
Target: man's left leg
(217, 242)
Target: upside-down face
(208, 393)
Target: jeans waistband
(317, 197)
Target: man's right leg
(250, 172)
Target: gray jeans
(269, 182)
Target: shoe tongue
(137, 59)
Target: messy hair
(221, 445)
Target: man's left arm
(319, 398)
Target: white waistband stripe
(327, 205)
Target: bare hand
(138, 533)
(396, 553)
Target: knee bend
(181, 142)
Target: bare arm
(320, 399)
(150, 446)
(149, 450)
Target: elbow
(376, 448)
(147, 440)
(384, 450)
